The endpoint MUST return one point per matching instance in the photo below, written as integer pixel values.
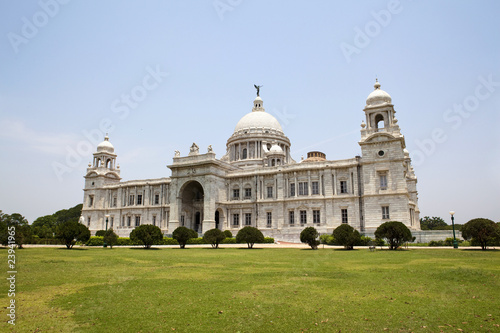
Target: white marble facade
(258, 183)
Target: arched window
(244, 154)
(379, 121)
(108, 163)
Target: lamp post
(455, 243)
(104, 244)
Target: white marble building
(257, 183)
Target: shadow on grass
(73, 249)
(143, 248)
(247, 248)
(480, 250)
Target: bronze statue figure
(258, 88)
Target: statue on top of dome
(258, 88)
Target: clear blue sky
(65, 68)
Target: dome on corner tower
(378, 97)
(105, 146)
(258, 119)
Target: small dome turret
(378, 97)
(105, 146)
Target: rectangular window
(236, 194)
(131, 200)
(315, 187)
(123, 221)
(236, 219)
(303, 217)
(292, 189)
(344, 216)
(269, 219)
(139, 199)
(291, 216)
(385, 212)
(91, 200)
(343, 186)
(114, 201)
(137, 221)
(248, 193)
(157, 199)
(128, 221)
(303, 188)
(383, 182)
(154, 219)
(316, 216)
(182, 220)
(248, 218)
(88, 222)
(269, 191)
(112, 221)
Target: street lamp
(455, 243)
(104, 244)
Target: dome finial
(377, 84)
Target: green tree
(214, 237)
(71, 232)
(183, 234)
(481, 230)
(310, 236)
(110, 237)
(44, 226)
(347, 236)
(228, 234)
(249, 235)
(396, 234)
(147, 234)
(432, 223)
(71, 214)
(16, 226)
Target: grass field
(259, 290)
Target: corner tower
(389, 183)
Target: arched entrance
(192, 196)
(217, 225)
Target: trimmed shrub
(147, 235)
(100, 233)
(110, 238)
(228, 234)
(347, 236)
(249, 235)
(309, 235)
(481, 231)
(183, 235)
(395, 232)
(71, 232)
(214, 237)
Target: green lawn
(260, 290)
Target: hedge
(125, 241)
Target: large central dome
(258, 119)
(253, 138)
